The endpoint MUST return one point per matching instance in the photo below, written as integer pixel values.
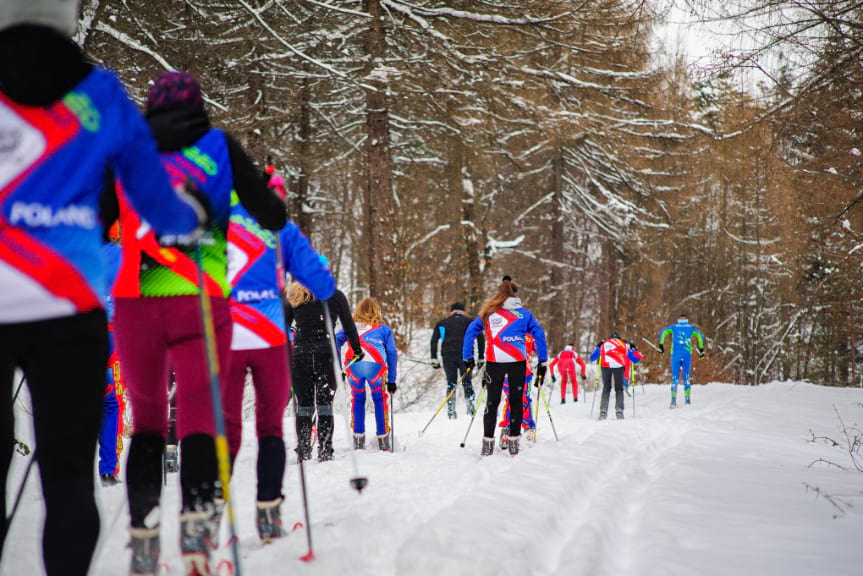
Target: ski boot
(194, 543)
(359, 441)
(109, 480)
(487, 446)
(145, 551)
(688, 402)
(575, 399)
(563, 400)
(384, 443)
(673, 404)
(603, 415)
(172, 463)
(269, 520)
(504, 439)
(619, 414)
(513, 445)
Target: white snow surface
(732, 485)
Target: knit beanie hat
(457, 306)
(174, 88)
(61, 15)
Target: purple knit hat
(173, 89)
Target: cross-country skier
(114, 403)
(528, 425)
(312, 364)
(449, 333)
(158, 320)
(257, 259)
(613, 355)
(505, 323)
(378, 365)
(681, 333)
(565, 363)
(64, 123)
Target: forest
(433, 146)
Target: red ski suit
(565, 363)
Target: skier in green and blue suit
(681, 353)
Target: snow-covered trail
(719, 487)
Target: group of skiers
(192, 275)
(512, 335)
(192, 280)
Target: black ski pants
(315, 387)
(454, 368)
(495, 372)
(64, 362)
(609, 374)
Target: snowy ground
(723, 487)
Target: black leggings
(495, 372)
(64, 361)
(315, 387)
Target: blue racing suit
(681, 354)
(379, 346)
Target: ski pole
(222, 456)
(475, 410)
(548, 411)
(357, 482)
(392, 426)
(310, 555)
(419, 361)
(595, 386)
(20, 493)
(634, 390)
(445, 400)
(18, 390)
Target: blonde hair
(495, 303)
(298, 295)
(368, 312)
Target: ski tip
(225, 568)
(308, 557)
(296, 526)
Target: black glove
(553, 379)
(391, 387)
(480, 363)
(358, 355)
(435, 364)
(661, 349)
(469, 364)
(633, 346)
(701, 352)
(540, 373)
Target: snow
(733, 484)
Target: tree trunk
(381, 257)
(302, 145)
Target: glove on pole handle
(222, 456)
(445, 400)
(357, 482)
